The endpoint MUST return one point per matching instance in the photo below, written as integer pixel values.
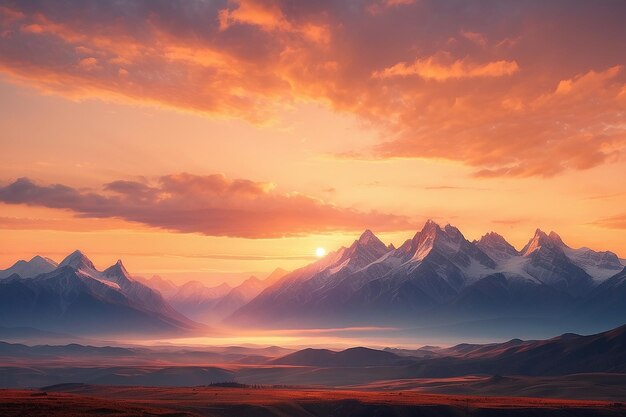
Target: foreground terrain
(90, 400)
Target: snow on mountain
(79, 297)
(28, 269)
(436, 264)
(77, 260)
(496, 247)
(548, 263)
(438, 271)
(600, 265)
(429, 268)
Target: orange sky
(216, 139)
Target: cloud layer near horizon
(212, 205)
(509, 88)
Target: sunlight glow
(319, 252)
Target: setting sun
(319, 252)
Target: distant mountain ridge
(561, 355)
(352, 357)
(211, 304)
(76, 297)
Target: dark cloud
(212, 205)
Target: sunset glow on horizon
(230, 138)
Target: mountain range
(74, 296)
(439, 276)
(436, 278)
(210, 304)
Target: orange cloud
(537, 107)
(477, 38)
(213, 205)
(268, 16)
(432, 69)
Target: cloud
(613, 222)
(432, 69)
(478, 38)
(577, 125)
(438, 79)
(213, 205)
(269, 16)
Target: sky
(217, 139)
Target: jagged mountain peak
(554, 237)
(430, 228)
(366, 235)
(77, 260)
(369, 240)
(28, 269)
(42, 260)
(362, 252)
(251, 280)
(117, 270)
(453, 232)
(542, 240)
(492, 237)
(447, 239)
(496, 246)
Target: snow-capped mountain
(28, 269)
(607, 302)
(496, 247)
(76, 297)
(436, 274)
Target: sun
(319, 252)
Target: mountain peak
(496, 246)
(42, 260)
(492, 237)
(118, 267)
(541, 239)
(424, 240)
(368, 238)
(556, 238)
(366, 249)
(28, 269)
(276, 274)
(430, 225)
(77, 260)
(117, 273)
(251, 280)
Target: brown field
(88, 400)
